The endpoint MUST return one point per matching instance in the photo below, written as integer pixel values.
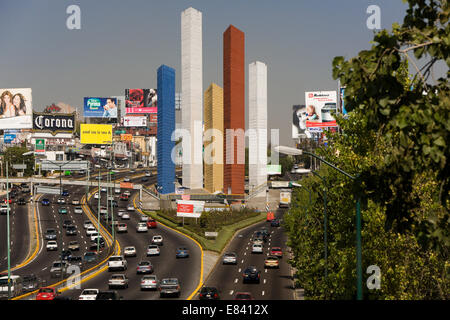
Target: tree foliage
(396, 140)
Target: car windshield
(117, 276)
(89, 254)
(242, 296)
(115, 259)
(46, 290)
(89, 291)
(51, 231)
(231, 255)
(144, 263)
(149, 278)
(169, 281)
(57, 264)
(153, 247)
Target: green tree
(14, 155)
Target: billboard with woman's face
(141, 101)
(15, 108)
(320, 108)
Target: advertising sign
(64, 165)
(141, 100)
(341, 96)
(299, 129)
(128, 121)
(100, 107)
(190, 209)
(320, 106)
(40, 145)
(15, 108)
(9, 137)
(95, 133)
(54, 122)
(126, 185)
(273, 169)
(153, 118)
(126, 137)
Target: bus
(16, 286)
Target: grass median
(225, 228)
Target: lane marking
(231, 292)
(236, 280)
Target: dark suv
(108, 295)
(251, 274)
(209, 293)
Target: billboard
(190, 209)
(299, 117)
(320, 106)
(128, 121)
(141, 100)
(341, 96)
(39, 146)
(126, 137)
(95, 133)
(100, 108)
(15, 108)
(54, 122)
(273, 169)
(9, 137)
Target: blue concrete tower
(166, 125)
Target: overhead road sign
(48, 190)
(64, 165)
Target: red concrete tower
(234, 110)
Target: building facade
(192, 96)
(257, 116)
(166, 125)
(234, 110)
(213, 138)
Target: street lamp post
(8, 232)
(98, 212)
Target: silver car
(118, 280)
(229, 258)
(149, 282)
(169, 286)
(157, 240)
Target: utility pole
(8, 233)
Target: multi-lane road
(274, 284)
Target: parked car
(149, 282)
(209, 293)
(169, 286)
(144, 267)
(88, 294)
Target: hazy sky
(122, 43)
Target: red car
(151, 223)
(276, 251)
(243, 296)
(47, 293)
(6, 201)
(124, 197)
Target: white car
(257, 248)
(148, 174)
(126, 179)
(129, 251)
(130, 207)
(96, 195)
(61, 201)
(117, 191)
(88, 294)
(110, 198)
(143, 219)
(153, 250)
(118, 280)
(117, 262)
(103, 189)
(87, 224)
(52, 245)
(78, 210)
(90, 231)
(94, 236)
(103, 210)
(157, 240)
(125, 216)
(120, 212)
(122, 227)
(127, 192)
(229, 258)
(141, 227)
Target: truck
(285, 198)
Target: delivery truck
(285, 198)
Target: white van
(16, 286)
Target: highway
(275, 284)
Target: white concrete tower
(257, 116)
(192, 95)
